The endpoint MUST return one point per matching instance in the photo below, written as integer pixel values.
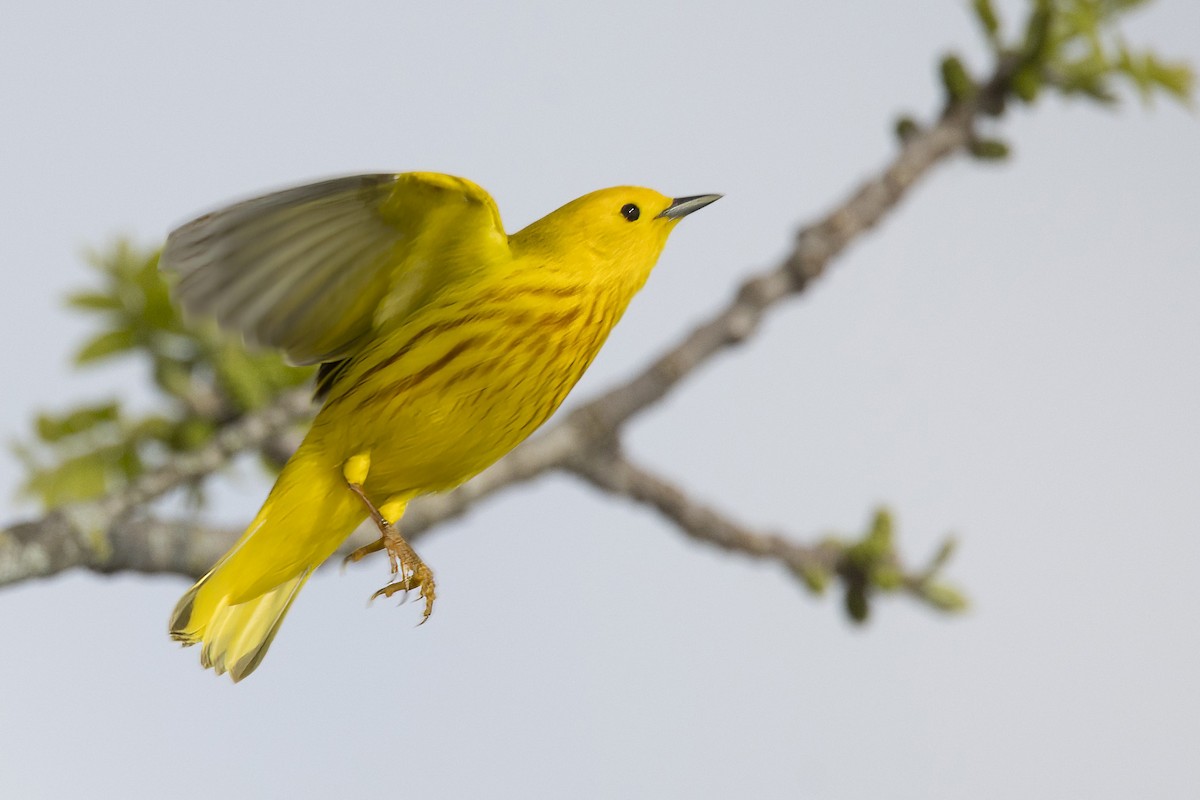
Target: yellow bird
(443, 343)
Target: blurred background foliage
(202, 377)
(1072, 48)
(1075, 47)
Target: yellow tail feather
(236, 637)
(236, 609)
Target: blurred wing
(310, 269)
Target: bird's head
(619, 232)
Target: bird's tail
(236, 609)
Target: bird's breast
(442, 397)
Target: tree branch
(109, 535)
(857, 563)
(614, 473)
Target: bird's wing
(311, 270)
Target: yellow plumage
(443, 341)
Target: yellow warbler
(443, 343)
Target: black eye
(630, 212)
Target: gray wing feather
(293, 269)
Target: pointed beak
(682, 206)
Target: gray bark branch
(116, 533)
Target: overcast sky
(1014, 356)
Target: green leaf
(945, 598)
(989, 149)
(906, 128)
(94, 301)
(1174, 77)
(986, 14)
(154, 427)
(1098, 90)
(1027, 83)
(942, 556)
(856, 603)
(107, 344)
(172, 376)
(128, 462)
(238, 377)
(1036, 47)
(887, 578)
(75, 480)
(814, 577)
(191, 434)
(878, 540)
(157, 309)
(958, 83)
(52, 428)
(1148, 72)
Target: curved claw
(421, 580)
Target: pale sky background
(1014, 356)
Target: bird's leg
(408, 570)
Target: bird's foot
(408, 570)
